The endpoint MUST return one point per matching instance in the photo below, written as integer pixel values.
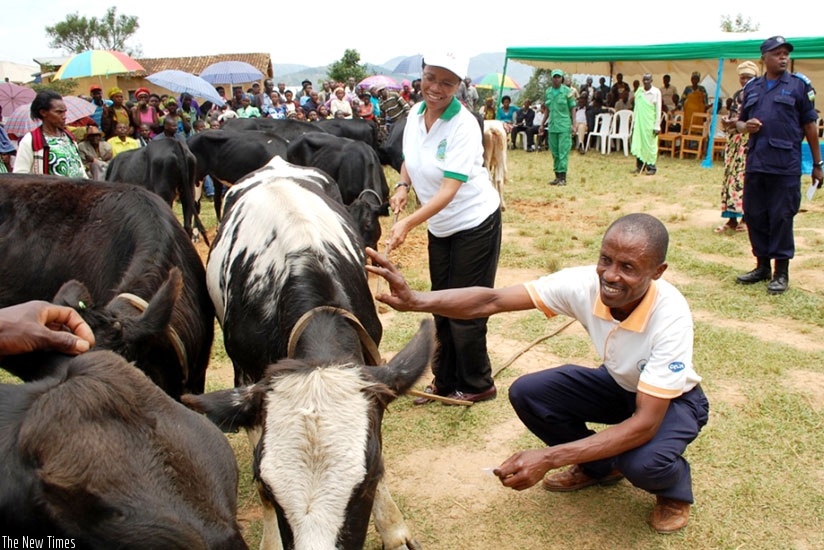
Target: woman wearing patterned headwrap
(735, 158)
(116, 113)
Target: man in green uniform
(646, 126)
(560, 101)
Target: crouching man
(646, 388)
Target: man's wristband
(401, 184)
(819, 164)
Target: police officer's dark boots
(557, 180)
(781, 278)
(561, 178)
(761, 272)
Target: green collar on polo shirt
(453, 109)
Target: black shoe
(779, 284)
(650, 171)
(755, 276)
(486, 395)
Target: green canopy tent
(678, 60)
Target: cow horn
(174, 338)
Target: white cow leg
(270, 540)
(389, 522)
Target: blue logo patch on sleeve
(676, 366)
(441, 153)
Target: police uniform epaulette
(804, 78)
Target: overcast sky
(317, 32)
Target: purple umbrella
(13, 96)
(379, 80)
(20, 121)
(230, 72)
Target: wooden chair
(669, 141)
(719, 147)
(694, 140)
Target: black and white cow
(97, 456)
(286, 273)
(228, 156)
(358, 171)
(138, 280)
(165, 167)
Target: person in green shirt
(560, 101)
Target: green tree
(739, 24)
(535, 89)
(348, 66)
(78, 33)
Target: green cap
(556, 72)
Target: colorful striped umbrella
(493, 81)
(97, 63)
(20, 122)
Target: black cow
(358, 129)
(286, 128)
(143, 285)
(227, 156)
(358, 171)
(287, 276)
(97, 456)
(390, 151)
(165, 167)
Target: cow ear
(231, 409)
(158, 314)
(73, 294)
(408, 365)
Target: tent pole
(503, 78)
(707, 162)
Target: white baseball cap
(451, 61)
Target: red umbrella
(13, 96)
(20, 122)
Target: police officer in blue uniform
(778, 111)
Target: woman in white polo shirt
(443, 161)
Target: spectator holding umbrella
(49, 148)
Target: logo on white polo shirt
(441, 154)
(676, 366)
(641, 364)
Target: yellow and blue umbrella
(493, 81)
(97, 63)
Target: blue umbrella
(183, 82)
(230, 72)
(410, 65)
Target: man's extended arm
(456, 303)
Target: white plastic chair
(621, 130)
(601, 131)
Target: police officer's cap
(774, 42)
(556, 72)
